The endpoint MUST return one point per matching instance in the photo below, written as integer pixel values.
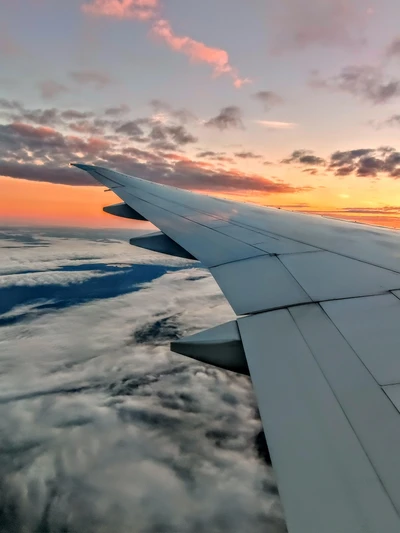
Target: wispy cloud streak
(197, 51)
(148, 10)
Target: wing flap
(326, 479)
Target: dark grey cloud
(44, 117)
(180, 135)
(365, 82)
(182, 115)
(131, 129)
(165, 145)
(174, 135)
(268, 99)
(366, 162)
(51, 89)
(209, 153)
(344, 158)
(305, 157)
(363, 162)
(16, 111)
(247, 155)
(88, 77)
(117, 111)
(73, 114)
(215, 156)
(229, 117)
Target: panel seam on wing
(337, 398)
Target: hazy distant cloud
(366, 82)
(197, 51)
(163, 111)
(304, 23)
(210, 153)
(10, 104)
(216, 156)
(247, 155)
(8, 46)
(87, 77)
(305, 157)
(122, 9)
(269, 99)
(393, 50)
(394, 120)
(229, 117)
(73, 114)
(50, 89)
(384, 210)
(117, 111)
(276, 125)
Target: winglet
(82, 166)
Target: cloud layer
(38, 144)
(102, 428)
(304, 23)
(363, 81)
(363, 162)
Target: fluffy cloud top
(107, 428)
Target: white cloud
(103, 432)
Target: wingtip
(82, 166)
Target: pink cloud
(197, 51)
(123, 9)
(145, 10)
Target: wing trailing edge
(220, 346)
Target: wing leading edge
(317, 303)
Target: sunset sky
(292, 103)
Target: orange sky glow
(38, 203)
(301, 113)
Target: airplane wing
(318, 329)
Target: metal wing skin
(318, 329)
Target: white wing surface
(318, 305)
